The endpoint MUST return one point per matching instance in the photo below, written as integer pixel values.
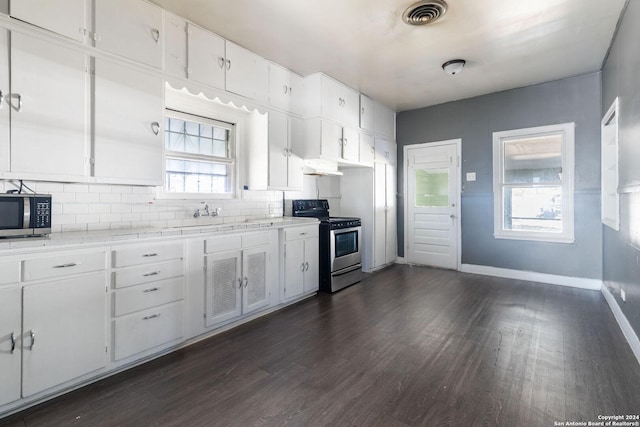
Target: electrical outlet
(623, 295)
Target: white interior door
(432, 204)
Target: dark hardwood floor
(409, 346)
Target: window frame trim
(568, 191)
(228, 123)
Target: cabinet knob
(285, 88)
(13, 342)
(228, 64)
(220, 61)
(32, 335)
(155, 128)
(1, 99)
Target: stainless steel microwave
(25, 215)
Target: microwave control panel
(42, 210)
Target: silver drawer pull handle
(13, 342)
(71, 264)
(151, 316)
(151, 290)
(153, 273)
(149, 255)
(33, 339)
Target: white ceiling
(366, 45)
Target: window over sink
(199, 155)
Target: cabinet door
(255, 293)
(366, 112)
(350, 144)
(247, 73)
(10, 344)
(223, 287)
(312, 265)
(390, 189)
(175, 45)
(279, 87)
(48, 121)
(130, 28)
(384, 121)
(331, 143)
(207, 58)
(278, 150)
(295, 163)
(367, 149)
(385, 151)
(293, 268)
(63, 331)
(350, 110)
(331, 98)
(379, 215)
(5, 106)
(66, 17)
(128, 117)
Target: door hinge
(106, 349)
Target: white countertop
(110, 236)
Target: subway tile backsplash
(87, 207)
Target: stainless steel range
(340, 245)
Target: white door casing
(432, 220)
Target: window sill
(535, 238)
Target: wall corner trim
(624, 324)
(574, 282)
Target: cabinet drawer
(64, 265)
(147, 273)
(300, 233)
(255, 239)
(223, 244)
(147, 329)
(146, 254)
(149, 295)
(9, 272)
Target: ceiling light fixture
(454, 66)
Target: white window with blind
(199, 156)
(533, 175)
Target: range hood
(321, 167)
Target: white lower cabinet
(301, 261)
(237, 279)
(10, 317)
(147, 303)
(63, 331)
(53, 329)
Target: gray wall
(576, 99)
(621, 78)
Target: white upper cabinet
(385, 151)
(49, 105)
(328, 98)
(366, 112)
(5, 109)
(206, 58)
(367, 149)
(128, 125)
(384, 121)
(285, 168)
(247, 73)
(285, 89)
(175, 45)
(66, 17)
(130, 28)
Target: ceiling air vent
(424, 12)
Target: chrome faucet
(205, 208)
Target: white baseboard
(624, 324)
(574, 282)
